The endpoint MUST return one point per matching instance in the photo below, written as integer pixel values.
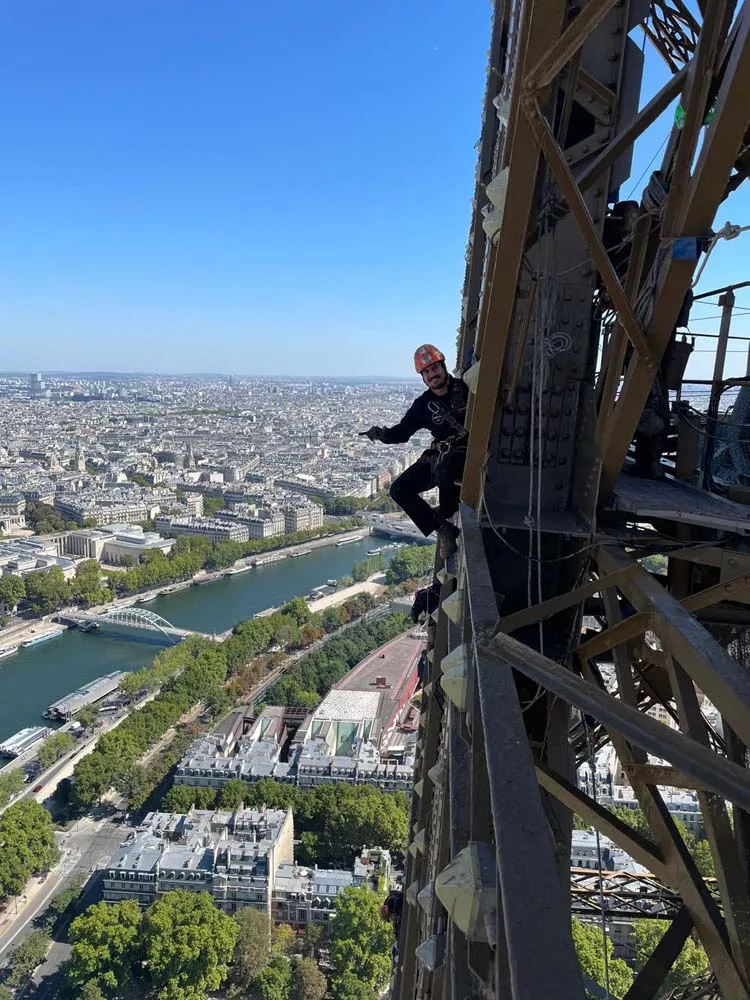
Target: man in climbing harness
(440, 410)
(390, 911)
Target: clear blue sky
(246, 187)
(234, 185)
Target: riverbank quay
(13, 636)
(46, 782)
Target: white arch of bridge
(138, 618)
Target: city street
(88, 844)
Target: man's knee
(397, 490)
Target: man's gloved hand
(374, 434)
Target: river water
(36, 677)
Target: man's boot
(447, 537)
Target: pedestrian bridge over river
(129, 617)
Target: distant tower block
(80, 459)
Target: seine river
(36, 677)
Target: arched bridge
(131, 617)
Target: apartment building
(211, 528)
(303, 517)
(241, 858)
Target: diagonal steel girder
(721, 678)
(692, 218)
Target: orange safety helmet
(425, 356)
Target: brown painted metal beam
(541, 26)
(523, 843)
(714, 772)
(624, 631)
(556, 161)
(706, 189)
(694, 102)
(625, 139)
(718, 828)
(720, 677)
(735, 589)
(659, 774)
(615, 360)
(682, 872)
(539, 612)
(566, 46)
(637, 846)
(647, 983)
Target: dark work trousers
(431, 469)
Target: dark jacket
(395, 902)
(427, 413)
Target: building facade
(209, 527)
(303, 517)
(241, 858)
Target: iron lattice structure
(573, 336)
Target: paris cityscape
(176, 511)
(375, 500)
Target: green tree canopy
(360, 941)
(87, 587)
(213, 504)
(60, 903)
(47, 590)
(27, 956)
(232, 794)
(297, 609)
(308, 982)
(704, 859)
(180, 798)
(252, 950)
(44, 519)
(105, 944)
(410, 563)
(91, 991)
(348, 987)
(28, 845)
(589, 946)
(12, 590)
(189, 945)
(87, 715)
(314, 939)
(368, 567)
(55, 746)
(272, 982)
(329, 820)
(691, 961)
(283, 940)
(338, 506)
(11, 783)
